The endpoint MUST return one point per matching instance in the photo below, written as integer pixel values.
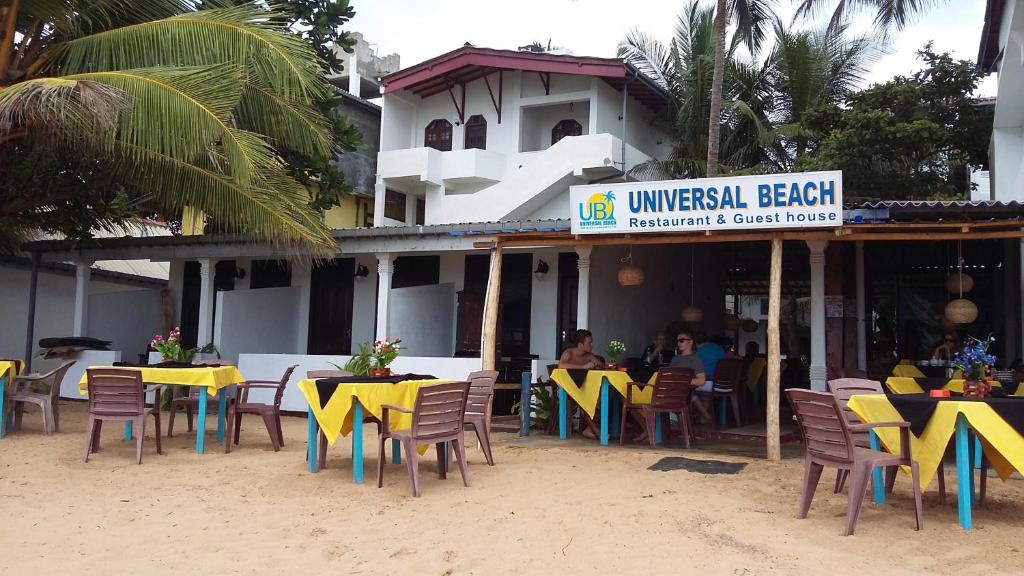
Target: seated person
(946, 349)
(686, 358)
(657, 354)
(710, 352)
(582, 354)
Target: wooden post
(488, 350)
(774, 359)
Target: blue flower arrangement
(974, 357)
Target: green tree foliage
(912, 138)
(115, 107)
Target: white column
(862, 328)
(583, 295)
(302, 277)
(82, 272)
(410, 209)
(353, 75)
(385, 269)
(818, 372)
(204, 333)
(379, 199)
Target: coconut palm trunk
(715, 114)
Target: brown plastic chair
(321, 439)
(48, 402)
(190, 402)
(481, 390)
(118, 394)
(728, 382)
(271, 413)
(828, 441)
(671, 395)
(437, 417)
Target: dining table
(8, 370)
(922, 385)
(217, 380)
(338, 407)
(997, 425)
(588, 388)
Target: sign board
(800, 200)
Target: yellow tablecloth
(1003, 446)
(212, 377)
(335, 417)
(898, 385)
(907, 371)
(588, 395)
(15, 368)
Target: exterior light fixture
(630, 275)
(541, 271)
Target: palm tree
(172, 104)
(750, 17)
(889, 14)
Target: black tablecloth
(932, 383)
(917, 409)
(325, 387)
(172, 364)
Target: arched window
(476, 132)
(438, 135)
(565, 128)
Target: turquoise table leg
(396, 451)
(357, 442)
(562, 414)
(616, 412)
(877, 484)
(128, 431)
(222, 413)
(3, 394)
(657, 428)
(977, 452)
(201, 423)
(311, 441)
(963, 472)
(604, 411)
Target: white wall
(539, 120)
(257, 321)
(83, 359)
(544, 306)
(128, 319)
(398, 118)
(1007, 174)
(55, 306)
(422, 317)
(364, 302)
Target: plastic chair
(828, 442)
(481, 390)
(118, 395)
(437, 418)
(671, 395)
(271, 413)
(728, 383)
(48, 402)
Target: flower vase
(380, 372)
(977, 389)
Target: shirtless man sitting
(582, 356)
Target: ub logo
(598, 211)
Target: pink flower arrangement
(170, 347)
(385, 351)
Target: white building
(1002, 51)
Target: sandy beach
(547, 507)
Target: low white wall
(84, 359)
(422, 317)
(128, 319)
(254, 321)
(272, 366)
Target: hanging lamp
(630, 275)
(691, 313)
(961, 310)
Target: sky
(421, 29)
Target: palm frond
(288, 123)
(275, 210)
(246, 35)
(63, 109)
(752, 19)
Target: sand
(546, 508)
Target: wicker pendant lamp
(691, 313)
(630, 275)
(961, 310)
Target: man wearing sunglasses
(946, 349)
(686, 357)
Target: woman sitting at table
(946, 349)
(686, 358)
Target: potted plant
(359, 364)
(382, 354)
(974, 360)
(615, 351)
(170, 348)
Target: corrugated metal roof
(934, 211)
